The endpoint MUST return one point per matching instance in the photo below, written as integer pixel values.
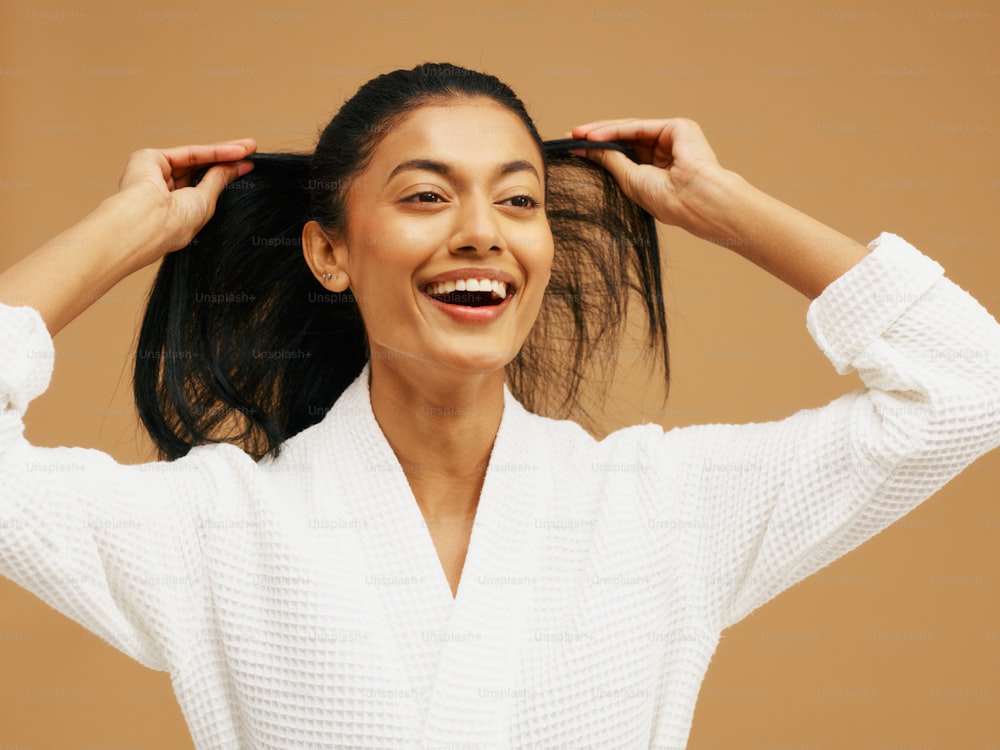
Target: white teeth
(498, 288)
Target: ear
(326, 257)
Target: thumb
(214, 181)
(623, 169)
(193, 206)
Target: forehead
(464, 132)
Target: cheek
(381, 269)
(547, 262)
(539, 266)
(542, 259)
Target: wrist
(794, 247)
(136, 231)
(715, 204)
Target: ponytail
(239, 342)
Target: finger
(643, 131)
(174, 166)
(220, 175)
(674, 140)
(615, 162)
(185, 157)
(184, 163)
(196, 205)
(194, 177)
(581, 131)
(641, 183)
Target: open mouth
(469, 292)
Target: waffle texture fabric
(299, 602)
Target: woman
(416, 559)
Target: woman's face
(451, 201)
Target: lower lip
(465, 314)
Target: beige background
(871, 116)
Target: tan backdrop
(871, 116)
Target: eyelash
(532, 203)
(414, 198)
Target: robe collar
(461, 653)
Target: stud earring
(327, 276)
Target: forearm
(74, 269)
(801, 251)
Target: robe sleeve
(768, 504)
(114, 547)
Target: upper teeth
(499, 288)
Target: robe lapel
(476, 680)
(400, 567)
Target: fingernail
(243, 167)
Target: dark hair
(240, 343)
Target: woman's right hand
(157, 185)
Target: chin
(476, 364)
(470, 359)
(472, 356)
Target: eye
(425, 196)
(522, 201)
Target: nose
(476, 227)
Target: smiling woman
(429, 175)
(365, 539)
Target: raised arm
(116, 548)
(155, 211)
(765, 505)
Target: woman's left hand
(680, 182)
(676, 164)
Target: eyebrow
(429, 165)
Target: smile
(470, 292)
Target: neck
(441, 425)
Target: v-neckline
(452, 646)
(429, 549)
(426, 540)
